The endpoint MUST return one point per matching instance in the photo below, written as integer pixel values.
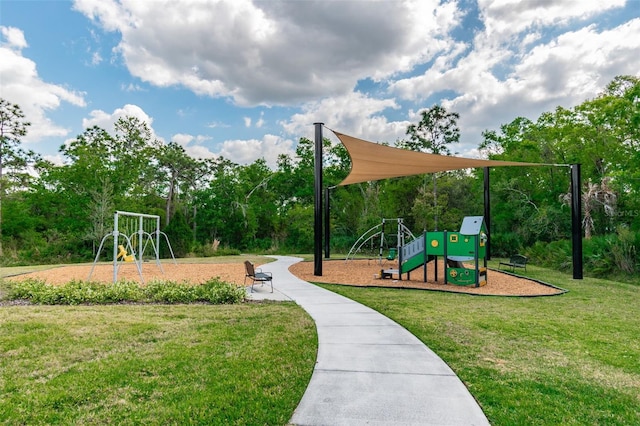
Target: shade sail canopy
(371, 161)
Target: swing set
(377, 233)
(131, 231)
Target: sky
(247, 79)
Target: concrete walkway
(369, 369)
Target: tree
(220, 213)
(602, 134)
(175, 167)
(594, 196)
(87, 171)
(12, 158)
(132, 151)
(100, 212)
(435, 131)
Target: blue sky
(246, 79)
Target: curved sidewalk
(369, 369)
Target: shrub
(207, 250)
(623, 250)
(603, 256)
(180, 236)
(78, 292)
(169, 292)
(218, 292)
(505, 244)
(556, 255)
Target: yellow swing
(122, 253)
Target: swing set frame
(402, 232)
(137, 227)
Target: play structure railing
(413, 248)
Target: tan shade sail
(371, 161)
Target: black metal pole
(327, 223)
(576, 221)
(317, 217)
(487, 211)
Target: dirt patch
(352, 272)
(362, 272)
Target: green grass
(562, 360)
(154, 364)
(572, 359)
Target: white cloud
(260, 121)
(349, 64)
(513, 71)
(14, 37)
(96, 58)
(355, 114)
(22, 85)
(182, 139)
(106, 120)
(273, 52)
(193, 145)
(217, 124)
(107, 12)
(238, 151)
(199, 152)
(247, 151)
(505, 18)
(131, 87)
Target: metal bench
(256, 275)
(515, 261)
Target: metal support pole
(444, 257)
(327, 224)
(487, 212)
(158, 240)
(576, 221)
(317, 219)
(425, 257)
(115, 247)
(140, 236)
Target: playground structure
(467, 245)
(131, 230)
(377, 233)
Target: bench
(515, 261)
(256, 275)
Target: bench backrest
(518, 259)
(248, 266)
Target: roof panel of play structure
(471, 225)
(371, 161)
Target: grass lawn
(154, 364)
(563, 360)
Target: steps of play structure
(414, 262)
(388, 273)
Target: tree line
(59, 213)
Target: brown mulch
(352, 272)
(191, 272)
(362, 273)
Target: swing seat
(122, 254)
(392, 254)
